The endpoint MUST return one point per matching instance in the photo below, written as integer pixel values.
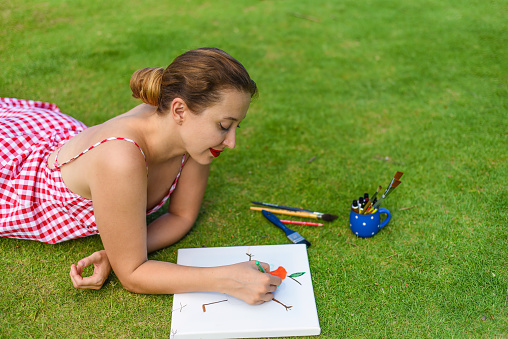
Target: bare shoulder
(118, 177)
(114, 159)
(118, 157)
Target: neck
(159, 134)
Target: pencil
(293, 222)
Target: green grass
(366, 87)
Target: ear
(179, 110)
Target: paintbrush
(375, 194)
(371, 201)
(294, 236)
(293, 213)
(397, 176)
(387, 192)
(392, 187)
(323, 216)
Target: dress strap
(56, 165)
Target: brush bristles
(304, 242)
(398, 175)
(395, 183)
(328, 217)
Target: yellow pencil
(296, 214)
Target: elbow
(128, 284)
(132, 287)
(132, 283)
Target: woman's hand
(101, 271)
(251, 285)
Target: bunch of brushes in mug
(366, 205)
(294, 211)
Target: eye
(228, 128)
(223, 128)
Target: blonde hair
(197, 77)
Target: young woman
(60, 180)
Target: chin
(203, 159)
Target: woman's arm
(184, 205)
(118, 185)
(162, 232)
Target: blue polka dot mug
(367, 225)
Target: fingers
(99, 276)
(259, 299)
(77, 269)
(269, 286)
(267, 297)
(250, 284)
(93, 258)
(75, 276)
(272, 288)
(264, 298)
(275, 280)
(266, 267)
(86, 261)
(93, 282)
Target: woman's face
(207, 134)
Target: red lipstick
(215, 152)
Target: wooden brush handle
(296, 214)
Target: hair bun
(146, 85)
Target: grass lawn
(361, 88)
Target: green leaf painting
(298, 274)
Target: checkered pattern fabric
(35, 204)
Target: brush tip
(329, 217)
(304, 242)
(396, 183)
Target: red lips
(215, 152)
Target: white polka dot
(364, 224)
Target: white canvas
(236, 319)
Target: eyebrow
(231, 118)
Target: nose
(230, 140)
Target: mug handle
(388, 217)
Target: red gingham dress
(35, 204)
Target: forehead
(232, 106)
